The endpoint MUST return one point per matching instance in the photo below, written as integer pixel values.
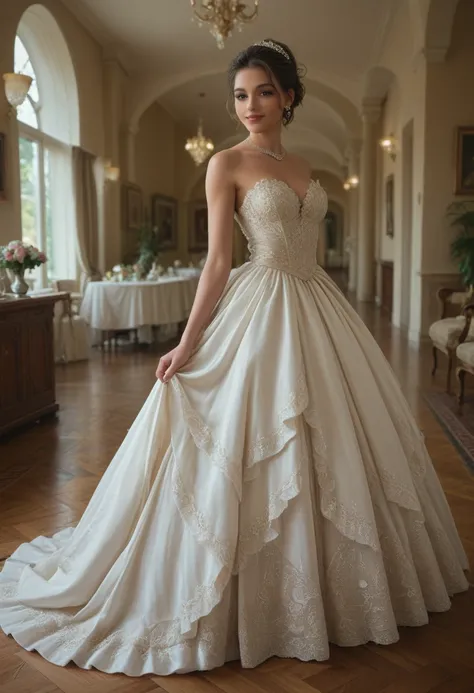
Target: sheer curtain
(60, 222)
(87, 214)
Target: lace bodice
(281, 229)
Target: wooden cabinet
(27, 385)
(387, 286)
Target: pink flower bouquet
(18, 256)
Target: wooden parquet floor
(48, 473)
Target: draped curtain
(87, 215)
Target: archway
(147, 91)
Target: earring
(287, 113)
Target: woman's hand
(171, 362)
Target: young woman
(274, 493)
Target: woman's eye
(239, 97)
(267, 93)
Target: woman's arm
(220, 193)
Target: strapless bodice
(281, 229)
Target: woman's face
(259, 100)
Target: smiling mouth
(254, 117)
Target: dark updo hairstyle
(286, 72)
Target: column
(354, 170)
(371, 109)
(130, 135)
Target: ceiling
(337, 40)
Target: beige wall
(163, 167)
(405, 102)
(449, 103)
(436, 97)
(155, 154)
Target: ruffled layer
(274, 496)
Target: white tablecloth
(134, 304)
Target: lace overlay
(283, 236)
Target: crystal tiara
(274, 47)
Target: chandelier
(223, 16)
(199, 147)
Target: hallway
(49, 472)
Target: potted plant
(148, 248)
(462, 247)
(18, 257)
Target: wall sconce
(16, 89)
(111, 173)
(389, 145)
(351, 182)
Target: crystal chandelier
(199, 147)
(223, 16)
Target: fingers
(168, 366)
(162, 366)
(170, 371)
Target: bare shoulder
(224, 164)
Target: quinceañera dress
(276, 495)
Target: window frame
(44, 142)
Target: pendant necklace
(268, 152)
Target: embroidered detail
(198, 523)
(347, 520)
(261, 531)
(285, 617)
(270, 444)
(287, 233)
(204, 440)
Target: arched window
(28, 112)
(48, 126)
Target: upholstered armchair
(72, 288)
(465, 354)
(71, 334)
(449, 331)
(5, 285)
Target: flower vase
(19, 286)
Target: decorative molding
(439, 28)
(435, 55)
(449, 276)
(371, 109)
(113, 55)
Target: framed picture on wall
(164, 215)
(3, 184)
(389, 221)
(464, 160)
(198, 227)
(133, 207)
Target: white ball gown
(276, 495)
